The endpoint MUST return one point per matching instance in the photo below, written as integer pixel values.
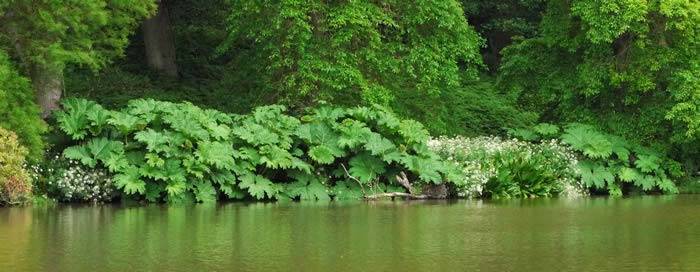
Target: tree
(158, 39)
(499, 21)
(18, 112)
(356, 51)
(612, 59)
(46, 35)
(628, 66)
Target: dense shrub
(15, 186)
(114, 87)
(474, 110)
(690, 187)
(17, 108)
(177, 151)
(611, 163)
(497, 168)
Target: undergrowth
(163, 151)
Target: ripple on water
(642, 233)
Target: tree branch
(403, 180)
(354, 178)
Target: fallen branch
(395, 194)
(402, 179)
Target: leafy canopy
(367, 51)
(628, 66)
(54, 33)
(17, 108)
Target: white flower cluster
(69, 181)
(476, 156)
(79, 184)
(37, 172)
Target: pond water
(632, 234)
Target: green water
(635, 234)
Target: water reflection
(641, 233)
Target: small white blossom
(69, 181)
(476, 156)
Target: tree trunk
(158, 38)
(48, 85)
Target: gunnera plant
(174, 152)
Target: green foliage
(546, 129)
(372, 145)
(199, 26)
(176, 151)
(685, 87)
(465, 107)
(690, 187)
(611, 163)
(602, 49)
(259, 186)
(18, 110)
(265, 140)
(308, 187)
(515, 17)
(80, 116)
(521, 177)
(597, 176)
(476, 109)
(357, 50)
(94, 151)
(55, 33)
(15, 186)
(366, 167)
(114, 86)
(588, 141)
(347, 190)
